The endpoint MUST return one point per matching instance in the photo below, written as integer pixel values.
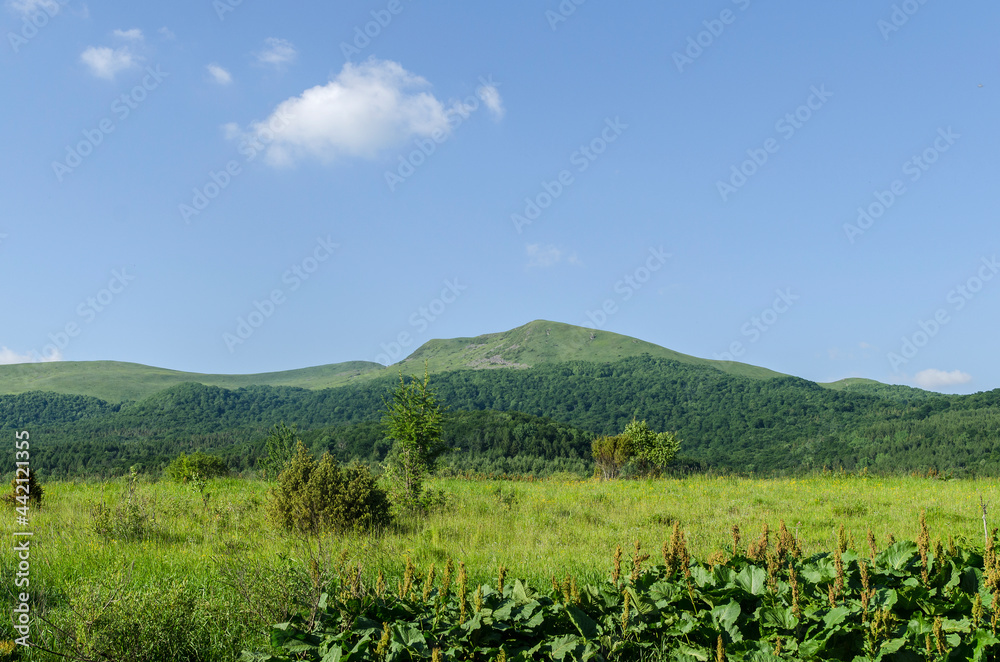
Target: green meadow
(204, 579)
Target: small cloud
(167, 33)
(931, 379)
(366, 109)
(10, 357)
(220, 75)
(277, 52)
(135, 34)
(491, 98)
(547, 256)
(864, 345)
(32, 7)
(105, 62)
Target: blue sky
(244, 187)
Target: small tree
(413, 420)
(184, 467)
(650, 452)
(610, 455)
(278, 450)
(653, 451)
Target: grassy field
(213, 577)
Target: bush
(35, 490)
(313, 496)
(184, 467)
(126, 521)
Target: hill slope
(543, 342)
(114, 381)
(535, 344)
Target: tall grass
(220, 574)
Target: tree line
(544, 416)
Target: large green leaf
(585, 625)
(897, 556)
(725, 616)
(778, 617)
(560, 647)
(752, 579)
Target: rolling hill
(536, 343)
(114, 381)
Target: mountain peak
(544, 341)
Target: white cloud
(31, 7)
(220, 75)
(167, 33)
(367, 108)
(491, 98)
(931, 379)
(135, 34)
(547, 256)
(277, 52)
(105, 62)
(9, 356)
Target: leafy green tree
(278, 450)
(649, 451)
(413, 419)
(610, 455)
(185, 468)
(653, 451)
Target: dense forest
(536, 421)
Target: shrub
(184, 467)
(35, 490)
(313, 496)
(128, 521)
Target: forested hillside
(726, 422)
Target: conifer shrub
(30, 490)
(313, 496)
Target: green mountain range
(529, 400)
(536, 343)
